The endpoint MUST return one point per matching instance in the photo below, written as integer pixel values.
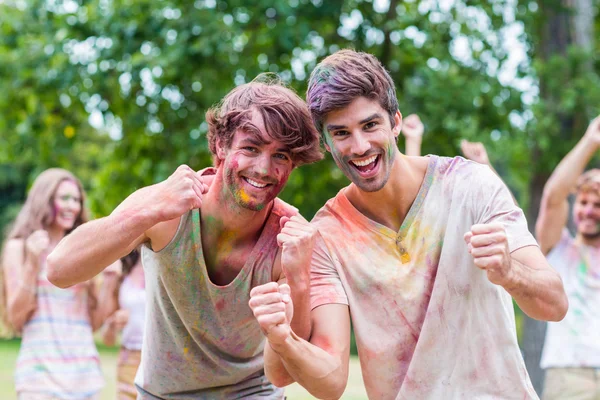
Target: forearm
(22, 297)
(301, 323)
(319, 372)
(93, 246)
(413, 147)
(109, 336)
(106, 304)
(300, 293)
(539, 292)
(561, 181)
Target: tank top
(58, 356)
(202, 340)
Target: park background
(116, 90)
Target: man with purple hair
(207, 239)
(422, 254)
(571, 354)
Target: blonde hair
(38, 213)
(589, 181)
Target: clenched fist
(272, 306)
(297, 240)
(118, 320)
(488, 245)
(412, 127)
(37, 243)
(475, 151)
(592, 134)
(181, 192)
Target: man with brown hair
(207, 239)
(424, 253)
(571, 354)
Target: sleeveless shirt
(202, 340)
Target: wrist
(299, 282)
(282, 346)
(511, 281)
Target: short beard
(591, 236)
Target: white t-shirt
(575, 341)
(428, 323)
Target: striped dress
(58, 357)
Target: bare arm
(93, 246)
(103, 299)
(296, 240)
(554, 208)
(114, 324)
(412, 129)
(20, 280)
(524, 274)
(321, 365)
(536, 286)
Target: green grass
(108, 356)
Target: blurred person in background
(127, 316)
(413, 129)
(571, 353)
(58, 357)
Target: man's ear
(220, 150)
(397, 123)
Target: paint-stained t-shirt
(201, 340)
(575, 341)
(428, 323)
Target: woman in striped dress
(58, 357)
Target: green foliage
(146, 72)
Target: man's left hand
(488, 245)
(297, 240)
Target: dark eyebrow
(370, 118)
(364, 121)
(335, 127)
(258, 141)
(255, 141)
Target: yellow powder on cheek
(244, 196)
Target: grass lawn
(9, 349)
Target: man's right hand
(36, 243)
(272, 306)
(119, 319)
(475, 151)
(592, 134)
(181, 192)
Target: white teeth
(256, 184)
(365, 162)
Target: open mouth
(367, 165)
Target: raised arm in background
(554, 209)
(412, 129)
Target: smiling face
(255, 167)
(586, 213)
(67, 205)
(362, 142)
